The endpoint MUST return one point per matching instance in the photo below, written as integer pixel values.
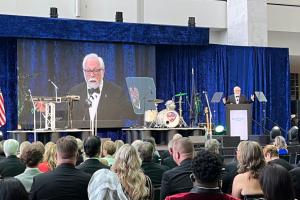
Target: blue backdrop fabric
(220, 68)
(88, 30)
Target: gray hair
(136, 144)
(11, 147)
(280, 142)
(80, 143)
(170, 144)
(146, 151)
(176, 136)
(236, 87)
(240, 145)
(211, 145)
(93, 55)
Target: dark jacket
(65, 183)
(169, 162)
(154, 171)
(242, 100)
(295, 174)
(11, 166)
(177, 180)
(80, 158)
(228, 176)
(165, 154)
(2, 155)
(90, 166)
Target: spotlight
(220, 130)
(53, 12)
(192, 22)
(274, 133)
(119, 17)
(293, 135)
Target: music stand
(261, 98)
(216, 99)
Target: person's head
(12, 189)
(109, 148)
(238, 152)
(66, 150)
(251, 159)
(237, 90)
(49, 156)
(294, 118)
(212, 146)
(183, 148)
(40, 146)
(280, 142)
(151, 140)
(93, 70)
(23, 145)
(127, 166)
(276, 183)
(118, 144)
(31, 156)
(170, 147)
(176, 136)
(206, 168)
(136, 144)
(92, 146)
(79, 143)
(48, 143)
(10, 147)
(270, 153)
(146, 151)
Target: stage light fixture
(119, 17)
(220, 130)
(53, 12)
(274, 133)
(192, 22)
(293, 135)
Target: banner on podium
(239, 123)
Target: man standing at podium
(237, 97)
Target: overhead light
(220, 130)
(274, 133)
(192, 22)
(293, 135)
(119, 17)
(53, 12)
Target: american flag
(2, 110)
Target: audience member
(11, 166)
(153, 170)
(166, 153)
(206, 168)
(276, 183)
(92, 150)
(47, 144)
(176, 136)
(12, 189)
(136, 185)
(251, 162)
(109, 149)
(69, 181)
(80, 148)
(169, 161)
(231, 170)
(105, 185)
(2, 154)
(119, 144)
(22, 146)
(40, 145)
(177, 180)
(272, 156)
(31, 157)
(49, 161)
(295, 174)
(136, 144)
(156, 154)
(281, 145)
(212, 146)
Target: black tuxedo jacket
(242, 100)
(228, 176)
(11, 166)
(112, 105)
(295, 174)
(177, 180)
(65, 183)
(154, 171)
(90, 166)
(169, 162)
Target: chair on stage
(286, 157)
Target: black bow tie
(91, 91)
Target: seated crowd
(75, 169)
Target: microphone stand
(144, 99)
(56, 99)
(34, 122)
(191, 110)
(205, 93)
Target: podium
(238, 120)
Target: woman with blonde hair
(251, 162)
(119, 144)
(22, 146)
(49, 162)
(136, 185)
(109, 149)
(281, 145)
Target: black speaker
(227, 141)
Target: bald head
(183, 148)
(176, 136)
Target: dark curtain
(8, 82)
(220, 68)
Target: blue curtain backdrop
(219, 68)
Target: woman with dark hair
(12, 189)
(276, 183)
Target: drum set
(167, 118)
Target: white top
(94, 98)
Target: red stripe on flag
(2, 111)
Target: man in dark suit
(237, 97)
(177, 180)
(295, 174)
(11, 166)
(65, 182)
(169, 161)
(153, 170)
(92, 151)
